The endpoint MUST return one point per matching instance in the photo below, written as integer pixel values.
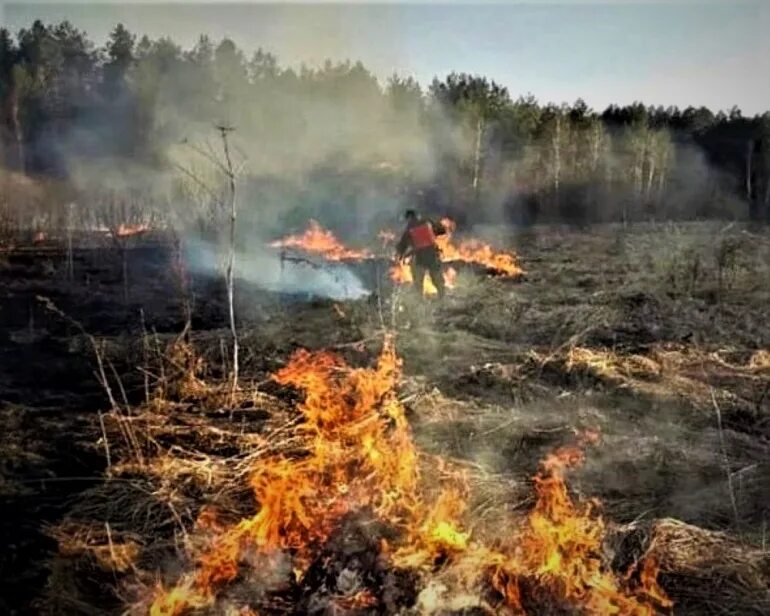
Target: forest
(77, 120)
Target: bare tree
(123, 217)
(230, 270)
(219, 203)
(749, 170)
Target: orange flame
(476, 251)
(318, 240)
(559, 551)
(401, 274)
(468, 250)
(358, 454)
(125, 230)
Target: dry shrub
(106, 550)
(760, 361)
(708, 260)
(711, 572)
(608, 364)
(184, 379)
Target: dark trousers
(428, 260)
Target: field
(637, 358)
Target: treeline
(335, 142)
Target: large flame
(468, 250)
(358, 455)
(318, 240)
(476, 251)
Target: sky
(683, 52)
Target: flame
(558, 551)
(40, 236)
(323, 242)
(401, 274)
(358, 455)
(360, 600)
(468, 251)
(126, 230)
(320, 241)
(476, 251)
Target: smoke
(339, 146)
(263, 268)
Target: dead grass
(710, 570)
(498, 376)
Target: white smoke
(264, 268)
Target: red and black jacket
(419, 235)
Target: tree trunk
(595, 148)
(556, 147)
(767, 198)
(638, 169)
(650, 177)
(661, 183)
(480, 126)
(70, 257)
(124, 259)
(17, 132)
(749, 160)
(230, 274)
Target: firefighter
(419, 242)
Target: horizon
(660, 54)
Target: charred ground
(657, 336)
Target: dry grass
(506, 371)
(710, 570)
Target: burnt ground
(658, 336)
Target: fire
(320, 241)
(476, 251)
(558, 551)
(401, 274)
(323, 242)
(469, 251)
(125, 230)
(358, 455)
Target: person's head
(410, 215)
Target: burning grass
(363, 516)
(322, 242)
(346, 466)
(317, 240)
(469, 251)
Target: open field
(657, 338)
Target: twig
(113, 556)
(725, 459)
(215, 197)
(145, 358)
(106, 443)
(102, 376)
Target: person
(419, 242)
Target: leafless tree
(217, 203)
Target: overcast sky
(677, 52)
